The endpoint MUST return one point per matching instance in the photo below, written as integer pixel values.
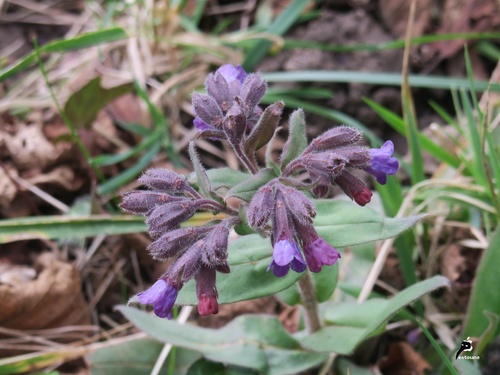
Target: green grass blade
(105, 160)
(385, 79)
(484, 296)
(397, 44)
(82, 41)
(280, 25)
(397, 123)
(446, 360)
(160, 123)
(67, 227)
(128, 175)
(474, 139)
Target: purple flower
(320, 253)
(201, 125)
(232, 73)
(162, 296)
(286, 254)
(382, 163)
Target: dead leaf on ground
(29, 148)
(395, 15)
(60, 177)
(461, 16)
(402, 359)
(51, 299)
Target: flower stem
(308, 293)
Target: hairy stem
(308, 293)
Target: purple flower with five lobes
(162, 296)
(382, 162)
(286, 254)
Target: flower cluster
(198, 251)
(279, 208)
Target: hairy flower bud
(252, 91)
(174, 242)
(216, 246)
(164, 180)
(261, 207)
(169, 216)
(298, 204)
(207, 109)
(354, 188)
(141, 202)
(218, 88)
(339, 136)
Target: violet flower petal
(382, 163)
(162, 296)
(320, 253)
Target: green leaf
(82, 41)
(83, 106)
(202, 179)
(113, 184)
(364, 321)
(484, 296)
(247, 188)
(65, 227)
(221, 178)
(325, 282)
(205, 367)
(340, 223)
(375, 78)
(136, 357)
(297, 138)
(344, 224)
(256, 342)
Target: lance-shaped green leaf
(264, 130)
(297, 138)
(357, 322)
(82, 106)
(355, 225)
(136, 357)
(204, 184)
(484, 296)
(256, 342)
(81, 41)
(65, 227)
(247, 188)
(342, 224)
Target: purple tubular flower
(162, 296)
(382, 163)
(206, 291)
(320, 253)
(286, 254)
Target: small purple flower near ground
(286, 254)
(162, 296)
(382, 162)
